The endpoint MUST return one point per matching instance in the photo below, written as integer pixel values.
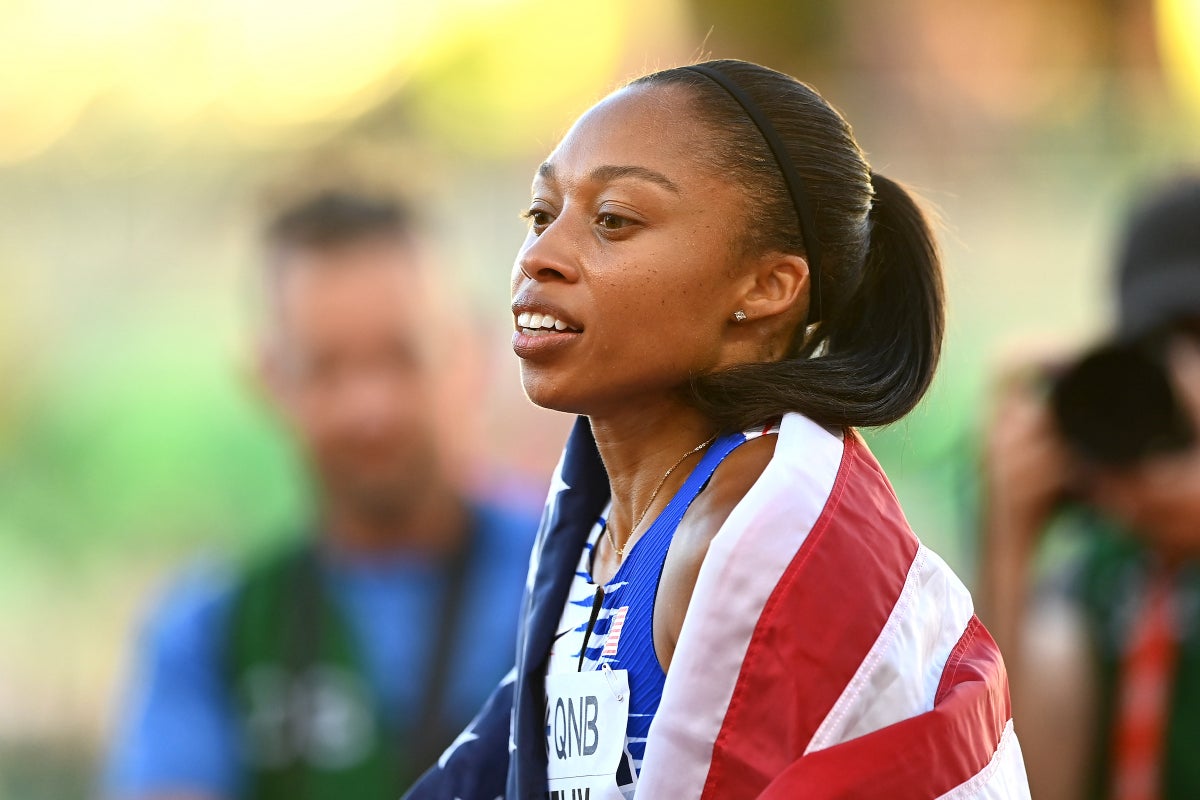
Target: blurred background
(136, 139)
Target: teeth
(534, 321)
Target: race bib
(586, 718)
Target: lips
(542, 330)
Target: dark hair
(335, 217)
(873, 354)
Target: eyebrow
(612, 172)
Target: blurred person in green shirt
(341, 665)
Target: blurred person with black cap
(1105, 654)
(342, 665)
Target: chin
(549, 399)
(550, 392)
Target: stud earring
(739, 316)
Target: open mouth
(534, 324)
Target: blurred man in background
(343, 665)
(1106, 654)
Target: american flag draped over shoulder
(826, 652)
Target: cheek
(681, 312)
(657, 320)
(309, 422)
(1153, 502)
(517, 275)
(1175, 509)
(663, 289)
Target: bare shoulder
(729, 484)
(704, 518)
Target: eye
(612, 222)
(539, 218)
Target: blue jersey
(502, 753)
(614, 624)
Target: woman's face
(630, 273)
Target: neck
(433, 524)
(638, 445)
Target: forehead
(371, 278)
(654, 127)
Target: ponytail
(873, 358)
(875, 284)
(892, 327)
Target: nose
(550, 256)
(368, 401)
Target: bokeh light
(1179, 32)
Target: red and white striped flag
(827, 653)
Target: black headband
(795, 186)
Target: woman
(725, 600)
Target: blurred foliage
(113, 462)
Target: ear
(260, 374)
(777, 287)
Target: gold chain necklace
(662, 481)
